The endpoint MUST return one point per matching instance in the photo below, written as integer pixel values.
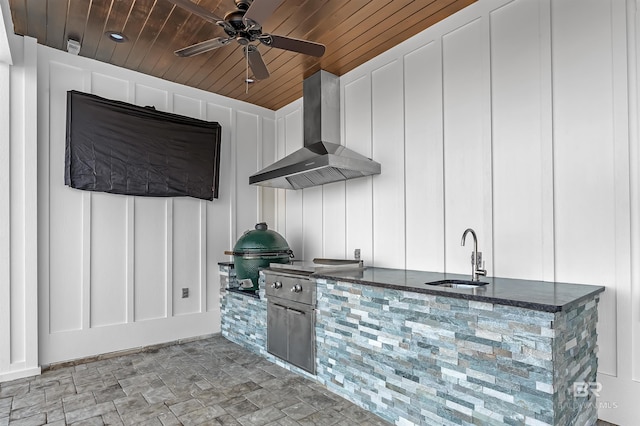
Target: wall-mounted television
(120, 148)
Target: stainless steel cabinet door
(277, 330)
(301, 339)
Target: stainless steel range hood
(321, 160)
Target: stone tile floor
(205, 382)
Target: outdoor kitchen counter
(515, 352)
(537, 295)
(511, 352)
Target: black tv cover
(120, 148)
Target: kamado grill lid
(261, 240)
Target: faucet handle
(481, 270)
(478, 265)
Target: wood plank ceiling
(353, 32)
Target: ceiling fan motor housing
(235, 18)
(243, 4)
(244, 25)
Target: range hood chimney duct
(322, 159)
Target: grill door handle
(275, 305)
(295, 311)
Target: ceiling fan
(244, 25)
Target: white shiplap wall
(112, 267)
(512, 118)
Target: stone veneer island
(512, 352)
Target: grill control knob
(296, 288)
(276, 285)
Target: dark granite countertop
(538, 295)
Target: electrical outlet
(185, 293)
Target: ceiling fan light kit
(244, 25)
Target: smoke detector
(73, 46)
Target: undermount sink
(458, 284)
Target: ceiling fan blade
(258, 67)
(202, 47)
(197, 10)
(293, 44)
(259, 12)
(200, 11)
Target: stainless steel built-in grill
(291, 301)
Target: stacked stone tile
(414, 358)
(244, 318)
(227, 273)
(575, 376)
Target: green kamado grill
(256, 249)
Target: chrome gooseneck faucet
(476, 256)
